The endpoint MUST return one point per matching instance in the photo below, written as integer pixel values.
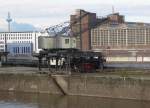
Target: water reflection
(28, 100)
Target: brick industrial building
(82, 22)
(117, 39)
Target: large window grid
(148, 36)
(113, 37)
(140, 37)
(131, 35)
(121, 37)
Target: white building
(16, 41)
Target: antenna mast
(113, 10)
(9, 21)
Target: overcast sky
(43, 13)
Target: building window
(74, 41)
(66, 41)
(22, 50)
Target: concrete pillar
(126, 37)
(145, 37)
(117, 38)
(108, 37)
(0, 61)
(0, 64)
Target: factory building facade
(116, 39)
(122, 41)
(122, 36)
(81, 23)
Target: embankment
(85, 85)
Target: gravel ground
(108, 72)
(128, 65)
(17, 70)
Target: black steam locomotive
(70, 59)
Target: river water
(28, 100)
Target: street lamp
(6, 47)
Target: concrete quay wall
(112, 87)
(28, 83)
(125, 88)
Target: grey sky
(42, 13)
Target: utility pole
(80, 18)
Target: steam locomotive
(70, 59)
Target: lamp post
(9, 20)
(5, 48)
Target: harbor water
(29, 100)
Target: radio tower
(8, 20)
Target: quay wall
(112, 87)
(28, 83)
(99, 86)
